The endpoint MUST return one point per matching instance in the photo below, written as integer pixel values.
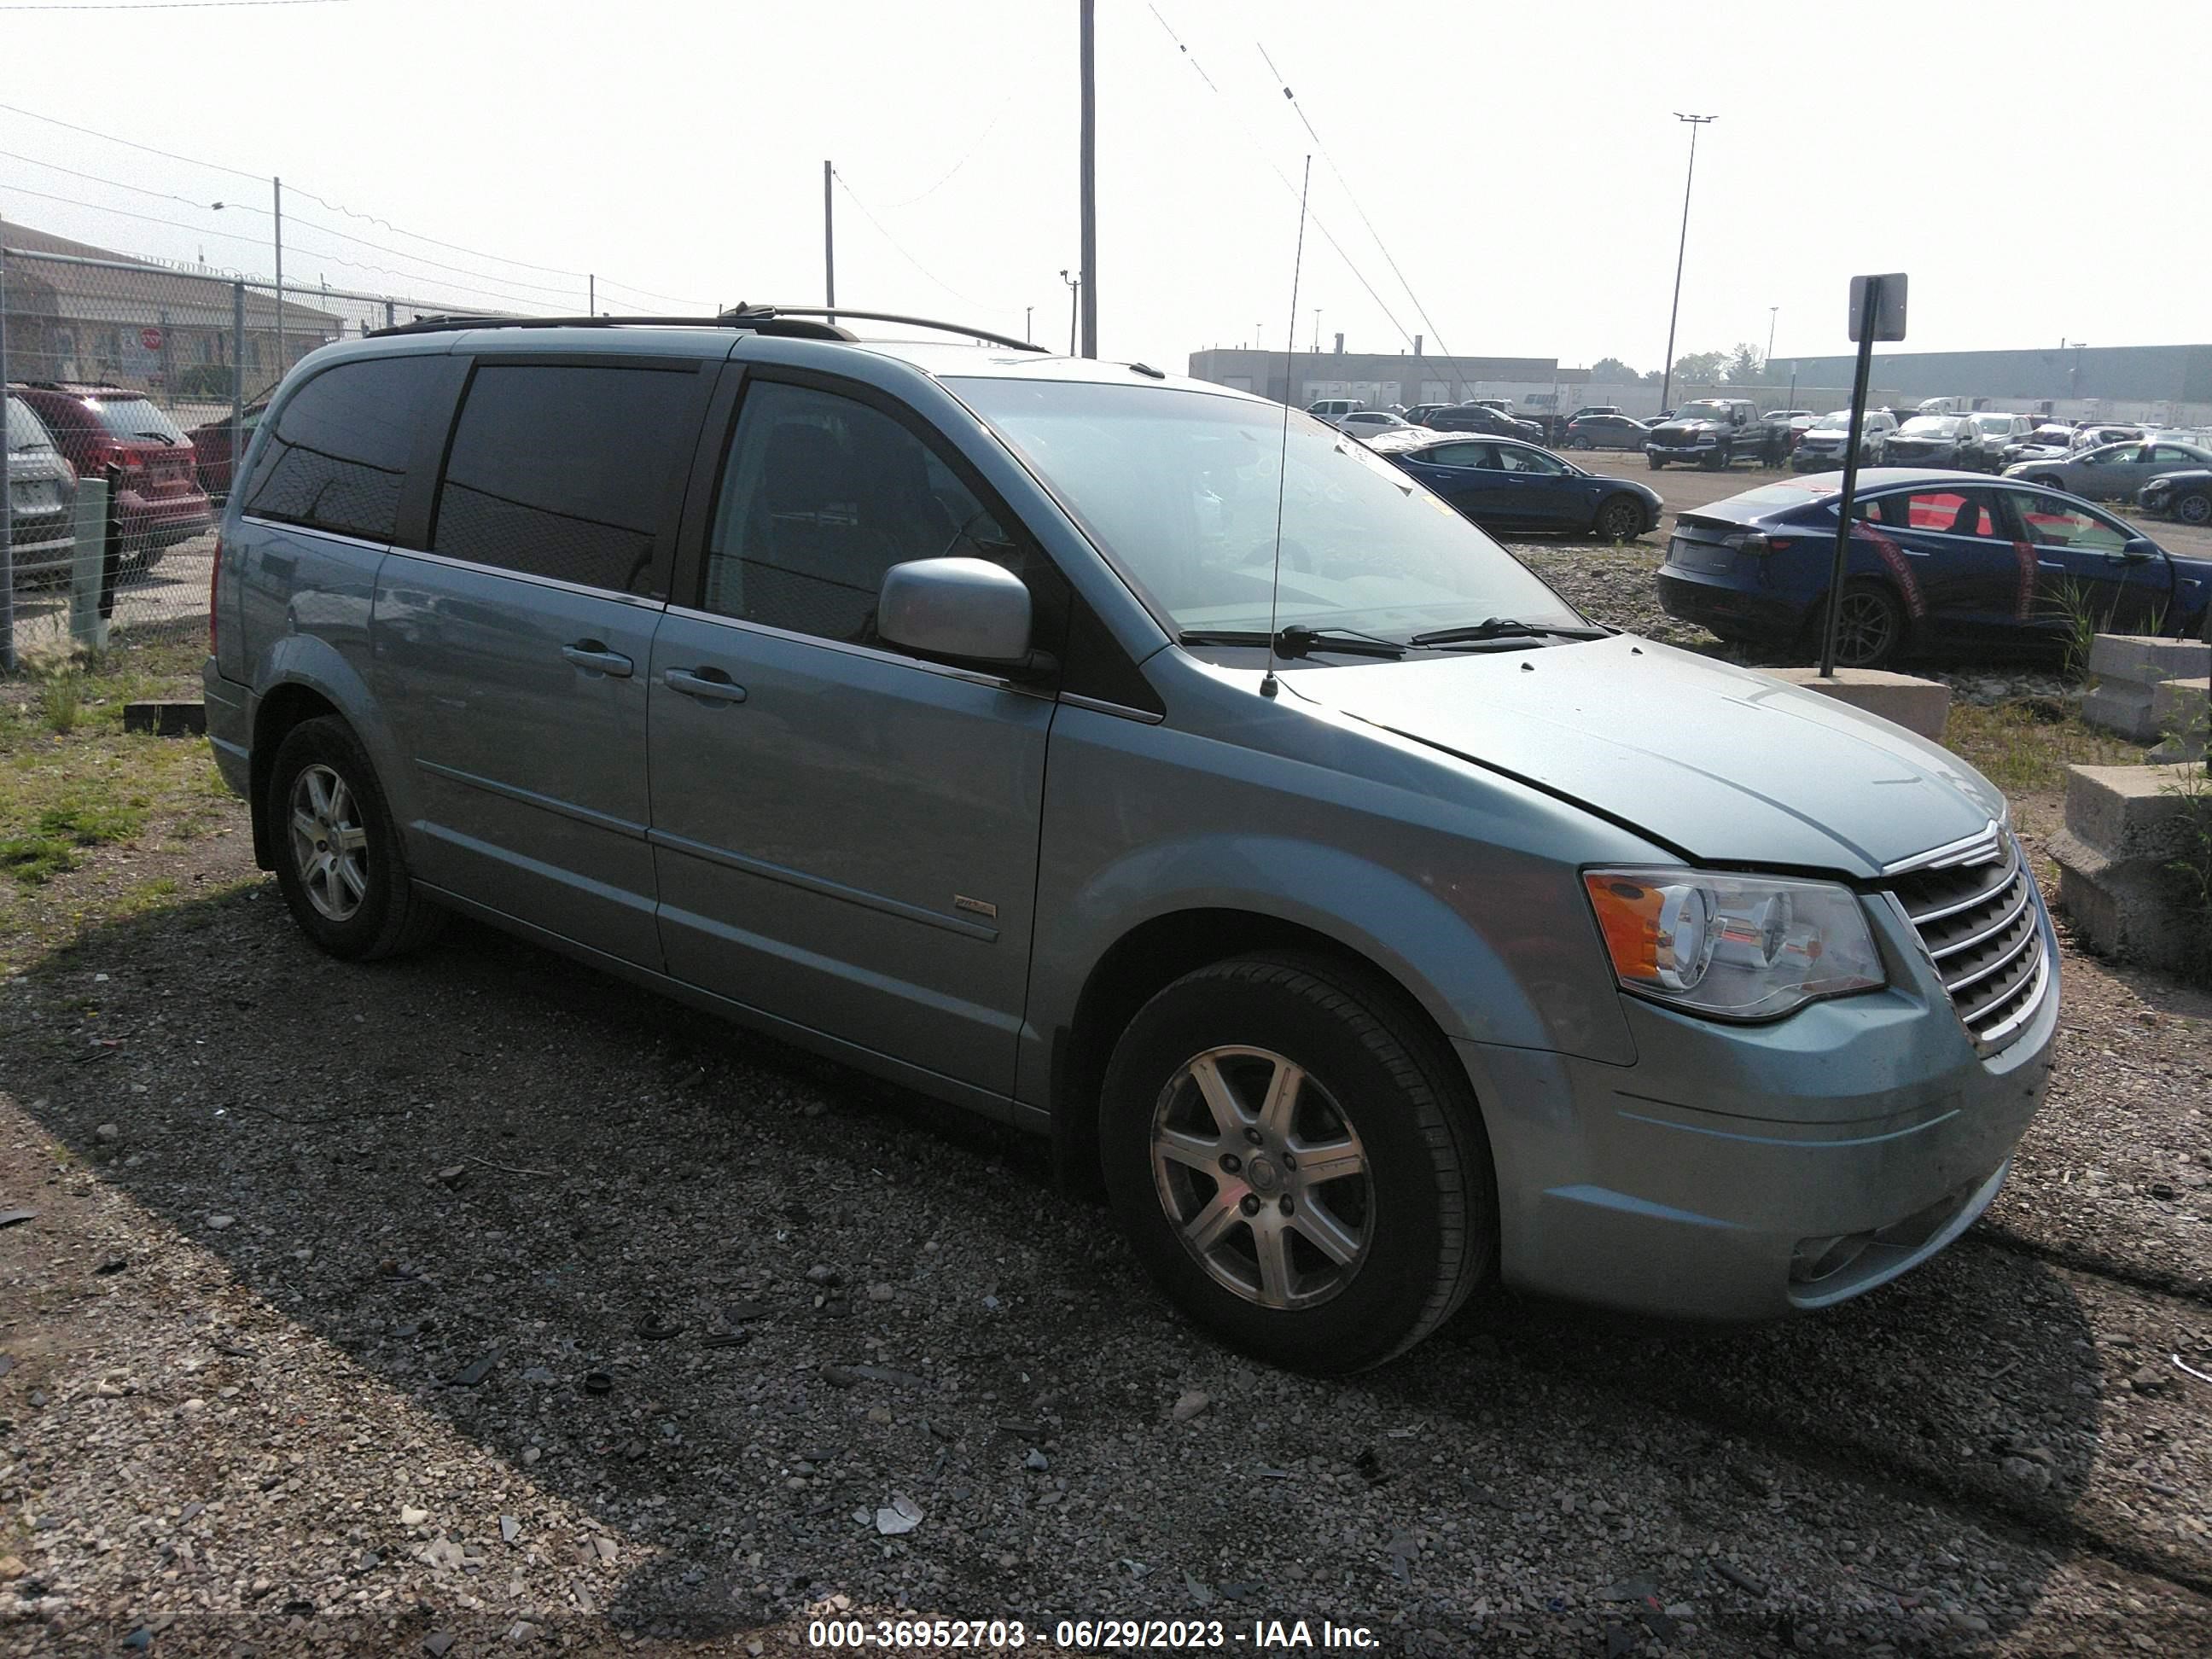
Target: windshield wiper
(1295, 642)
(1503, 628)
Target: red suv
(111, 432)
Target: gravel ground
(476, 1301)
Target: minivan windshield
(1178, 488)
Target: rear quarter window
(338, 455)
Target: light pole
(1088, 159)
(1773, 316)
(2074, 383)
(1667, 376)
(1074, 300)
(1028, 314)
(1317, 343)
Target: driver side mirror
(2137, 549)
(968, 610)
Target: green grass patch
(2025, 746)
(71, 780)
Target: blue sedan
(1503, 483)
(1934, 556)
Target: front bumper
(1685, 1185)
(1703, 452)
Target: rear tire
(1874, 626)
(1218, 1087)
(2195, 507)
(339, 862)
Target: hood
(1727, 766)
(1691, 426)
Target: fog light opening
(1816, 1259)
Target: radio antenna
(1269, 686)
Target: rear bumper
(1719, 604)
(229, 728)
(159, 522)
(1613, 1189)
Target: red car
(212, 445)
(113, 433)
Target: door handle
(707, 685)
(593, 657)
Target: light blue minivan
(1138, 762)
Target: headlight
(1743, 947)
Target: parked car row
(68, 431)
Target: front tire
(2195, 507)
(1619, 518)
(1297, 1163)
(1655, 463)
(339, 862)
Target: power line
(253, 241)
(966, 155)
(1382, 246)
(965, 299)
(335, 207)
(172, 5)
(265, 213)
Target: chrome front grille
(1981, 924)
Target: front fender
(1541, 987)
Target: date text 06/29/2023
(1093, 1635)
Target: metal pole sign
(1877, 313)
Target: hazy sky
(2031, 167)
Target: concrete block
(165, 720)
(1917, 705)
(2124, 826)
(2123, 708)
(2146, 658)
(2179, 709)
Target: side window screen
(564, 471)
(339, 453)
(1950, 513)
(822, 495)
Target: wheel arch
(304, 678)
(1146, 959)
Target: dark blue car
(1935, 556)
(1503, 483)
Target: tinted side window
(339, 453)
(565, 472)
(1949, 512)
(821, 494)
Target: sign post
(1877, 312)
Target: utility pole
(1074, 304)
(591, 294)
(1089, 292)
(277, 186)
(829, 247)
(1773, 316)
(1667, 376)
(1316, 339)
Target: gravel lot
(477, 1299)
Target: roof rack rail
(787, 321)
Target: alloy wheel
(1262, 1177)
(329, 845)
(2194, 509)
(1867, 630)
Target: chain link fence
(130, 388)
